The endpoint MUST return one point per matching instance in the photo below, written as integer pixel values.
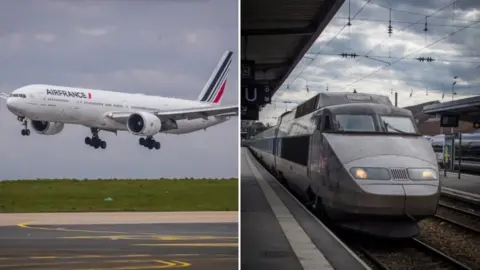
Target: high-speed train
(357, 160)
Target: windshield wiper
(395, 129)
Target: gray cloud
(456, 54)
(165, 48)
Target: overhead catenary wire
(420, 14)
(401, 30)
(410, 54)
(409, 58)
(404, 22)
(332, 39)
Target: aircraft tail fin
(213, 90)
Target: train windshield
(397, 124)
(354, 123)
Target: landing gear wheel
(151, 145)
(95, 141)
(25, 130)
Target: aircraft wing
(4, 95)
(182, 114)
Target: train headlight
(422, 174)
(370, 173)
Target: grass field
(67, 195)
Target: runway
(199, 245)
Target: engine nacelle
(144, 124)
(46, 128)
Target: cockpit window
(354, 123)
(18, 95)
(397, 124)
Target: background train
(470, 151)
(356, 160)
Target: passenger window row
(18, 95)
(58, 99)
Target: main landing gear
(25, 130)
(95, 141)
(149, 142)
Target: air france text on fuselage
(75, 94)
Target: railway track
(409, 254)
(460, 214)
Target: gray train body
(338, 155)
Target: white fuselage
(90, 110)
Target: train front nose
(402, 191)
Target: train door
(314, 154)
(278, 148)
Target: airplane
(49, 107)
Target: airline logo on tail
(215, 87)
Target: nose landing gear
(25, 130)
(149, 142)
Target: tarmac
(196, 240)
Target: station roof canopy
(276, 34)
(468, 108)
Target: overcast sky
(368, 29)
(166, 48)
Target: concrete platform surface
(7, 219)
(467, 182)
(467, 187)
(277, 232)
(127, 246)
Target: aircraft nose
(12, 104)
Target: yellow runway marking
(148, 237)
(159, 264)
(89, 256)
(120, 256)
(123, 235)
(49, 263)
(191, 244)
(128, 261)
(162, 264)
(26, 226)
(137, 255)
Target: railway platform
(467, 187)
(279, 233)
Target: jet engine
(143, 124)
(47, 128)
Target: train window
(327, 126)
(398, 124)
(355, 123)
